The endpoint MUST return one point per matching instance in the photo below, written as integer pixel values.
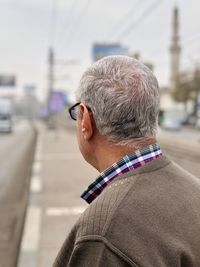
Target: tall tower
(175, 51)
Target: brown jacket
(149, 217)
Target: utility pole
(175, 51)
(51, 82)
(51, 79)
(53, 62)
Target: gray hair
(123, 95)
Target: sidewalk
(60, 174)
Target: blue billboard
(57, 101)
(101, 50)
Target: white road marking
(64, 211)
(36, 184)
(38, 151)
(32, 229)
(31, 235)
(37, 166)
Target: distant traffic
(6, 124)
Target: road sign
(7, 81)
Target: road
(7, 140)
(183, 147)
(15, 166)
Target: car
(6, 124)
(172, 120)
(171, 124)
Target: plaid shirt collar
(129, 162)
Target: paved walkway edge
(30, 239)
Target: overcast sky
(29, 27)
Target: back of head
(123, 95)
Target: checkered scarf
(129, 162)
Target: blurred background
(45, 45)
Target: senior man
(144, 209)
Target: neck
(107, 153)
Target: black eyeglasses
(73, 111)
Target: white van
(6, 125)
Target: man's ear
(87, 126)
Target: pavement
(59, 175)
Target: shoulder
(139, 200)
(99, 214)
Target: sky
(29, 27)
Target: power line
(77, 22)
(67, 21)
(124, 18)
(51, 56)
(144, 15)
(53, 18)
(79, 18)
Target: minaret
(175, 51)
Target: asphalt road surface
(15, 166)
(182, 147)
